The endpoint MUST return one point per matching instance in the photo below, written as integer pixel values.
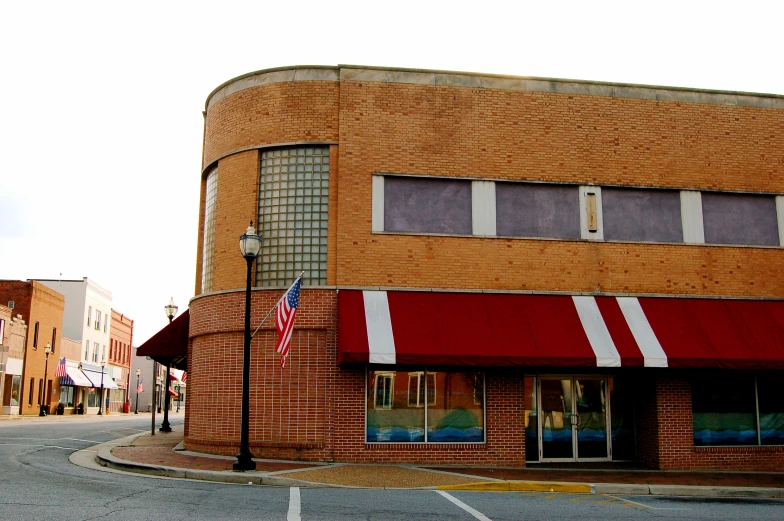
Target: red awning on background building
(493, 329)
(169, 346)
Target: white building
(88, 310)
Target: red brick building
(498, 270)
(42, 309)
(119, 360)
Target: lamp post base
(165, 427)
(244, 462)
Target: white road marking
(37, 445)
(644, 506)
(53, 439)
(465, 507)
(295, 510)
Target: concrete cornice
(367, 74)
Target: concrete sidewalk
(162, 456)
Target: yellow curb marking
(522, 486)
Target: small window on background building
(96, 350)
(748, 219)
(54, 338)
(208, 239)
(105, 322)
(642, 215)
(30, 394)
(86, 350)
(427, 205)
(2, 331)
(97, 320)
(103, 353)
(537, 210)
(35, 336)
(89, 315)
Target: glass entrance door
(573, 421)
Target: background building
(120, 342)
(87, 320)
(498, 270)
(13, 333)
(42, 309)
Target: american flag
(184, 377)
(284, 319)
(60, 371)
(140, 387)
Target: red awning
(169, 346)
(485, 329)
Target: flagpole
(277, 303)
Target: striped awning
(492, 329)
(98, 380)
(75, 378)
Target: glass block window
(293, 200)
(209, 231)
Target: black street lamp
(138, 374)
(171, 311)
(100, 396)
(44, 393)
(250, 247)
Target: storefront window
(456, 413)
(92, 398)
(724, 411)
(401, 403)
(67, 395)
(11, 390)
(771, 411)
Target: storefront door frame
(571, 414)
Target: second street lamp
(171, 311)
(100, 396)
(138, 374)
(43, 411)
(250, 247)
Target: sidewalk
(162, 455)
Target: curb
(106, 459)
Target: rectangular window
(103, 353)
(531, 419)
(86, 350)
(416, 389)
(454, 416)
(427, 205)
(97, 320)
(2, 331)
(54, 338)
(211, 193)
(642, 215)
(40, 391)
(89, 314)
(105, 322)
(30, 394)
(724, 410)
(11, 390)
(96, 349)
(534, 210)
(740, 219)
(771, 410)
(67, 395)
(35, 336)
(92, 398)
(293, 214)
(383, 390)
(422, 406)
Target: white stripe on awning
(95, 378)
(381, 342)
(652, 350)
(77, 377)
(597, 332)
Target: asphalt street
(39, 482)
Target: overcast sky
(101, 127)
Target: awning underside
(484, 329)
(169, 346)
